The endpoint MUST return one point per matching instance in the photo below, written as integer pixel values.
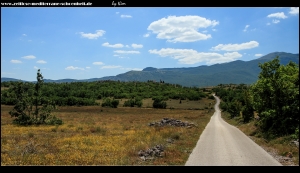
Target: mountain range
(235, 72)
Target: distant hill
(235, 72)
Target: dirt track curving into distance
(222, 144)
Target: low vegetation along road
(222, 144)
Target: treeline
(274, 98)
(86, 93)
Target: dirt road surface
(222, 144)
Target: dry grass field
(92, 135)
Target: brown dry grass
(93, 135)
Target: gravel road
(222, 144)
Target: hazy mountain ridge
(232, 72)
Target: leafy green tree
(110, 103)
(234, 108)
(276, 98)
(159, 103)
(24, 111)
(247, 109)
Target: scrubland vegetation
(107, 122)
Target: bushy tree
(276, 98)
(159, 103)
(247, 109)
(28, 110)
(110, 103)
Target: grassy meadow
(93, 135)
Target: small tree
(23, 109)
(158, 103)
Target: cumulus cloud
(41, 62)
(74, 68)
(98, 63)
(294, 10)
(246, 28)
(235, 47)
(278, 15)
(113, 45)
(15, 61)
(127, 52)
(126, 16)
(136, 46)
(258, 55)
(146, 35)
(29, 57)
(110, 66)
(190, 56)
(97, 34)
(182, 28)
(275, 21)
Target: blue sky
(83, 43)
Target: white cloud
(136, 46)
(41, 62)
(110, 66)
(116, 55)
(294, 10)
(74, 68)
(246, 28)
(35, 67)
(24, 34)
(214, 29)
(29, 57)
(15, 61)
(113, 45)
(190, 56)
(235, 47)
(127, 52)
(98, 63)
(125, 16)
(146, 35)
(278, 15)
(275, 21)
(98, 33)
(205, 31)
(182, 28)
(258, 55)
(87, 67)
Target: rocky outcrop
(150, 153)
(172, 122)
(158, 150)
